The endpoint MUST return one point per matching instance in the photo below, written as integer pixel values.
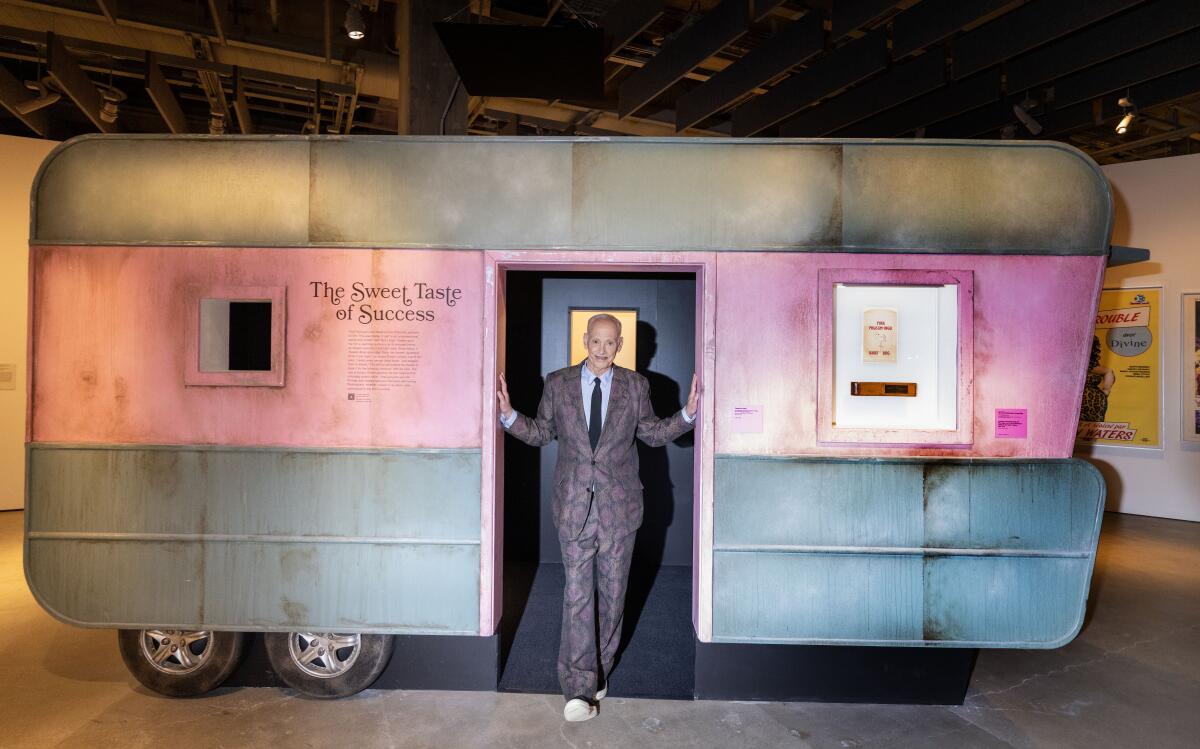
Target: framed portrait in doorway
(626, 357)
(1189, 404)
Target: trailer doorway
(656, 658)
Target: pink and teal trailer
(892, 338)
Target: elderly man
(594, 409)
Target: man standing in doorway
(595, 410)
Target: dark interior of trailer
(658, 645)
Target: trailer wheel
(180, 663)
(327, 664)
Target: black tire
(208, 662)
(342, 673)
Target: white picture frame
(1189, 375)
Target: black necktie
(594, 421)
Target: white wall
(19, 161)
(1157, 207)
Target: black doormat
(657, 656)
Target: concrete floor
(1131, 679)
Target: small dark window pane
(250, 336)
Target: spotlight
(1126, 105)
(356, 27)
(216, 123)
(110, 99)
(1022, 112)
(46, 97)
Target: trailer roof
(616, 194)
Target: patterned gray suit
(595, 528)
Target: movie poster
(1121, 392)
(1190, 396)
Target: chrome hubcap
(324, 654)
(175, 651)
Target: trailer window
(895, 355)
(236, 337)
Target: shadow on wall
(666, 398)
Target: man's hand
(693, 401)
(502, 396)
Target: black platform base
(819, 673)
(418, 662)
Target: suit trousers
(596, 565)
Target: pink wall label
(748, 419)
(1012, 422)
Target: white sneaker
(603, 692)
(578, 710)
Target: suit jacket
(613, 468)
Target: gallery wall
(1156, 208)
(21, 158)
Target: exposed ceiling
(794, 68)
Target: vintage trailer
(263, 378)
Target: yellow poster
(1121, 393)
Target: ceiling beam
(1163, 91)
(692, 46)
(241, 106)
(1106, 40)
(896, 86)
(1149, 140)
(272, 66)
(220, 18)
(327, 29)
(944, 103)
(849, 15)
(991, 118)
(565, 115)
(71, 80)
(932, 21)
(163, 98)
(1150, 62)
(1031, 25)
(626, 20)
(106, 8)
(798, 42)
(12, 93)
(982, 47)
(845, 66)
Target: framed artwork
(895, 356)
(626, 357)
(1189, 403)
(1122, 391)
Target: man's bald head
(605, 317)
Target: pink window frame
(274, 377)
(827, 433)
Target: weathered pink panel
(1032, 331)
(109, 327)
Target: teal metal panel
(1033, 601)
(410, 494)
(384, 541)
(657, 194)
(105, 583)
(975, 200)
(836, 504)
(1011, 505)
(831, 597)
(987, 553)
